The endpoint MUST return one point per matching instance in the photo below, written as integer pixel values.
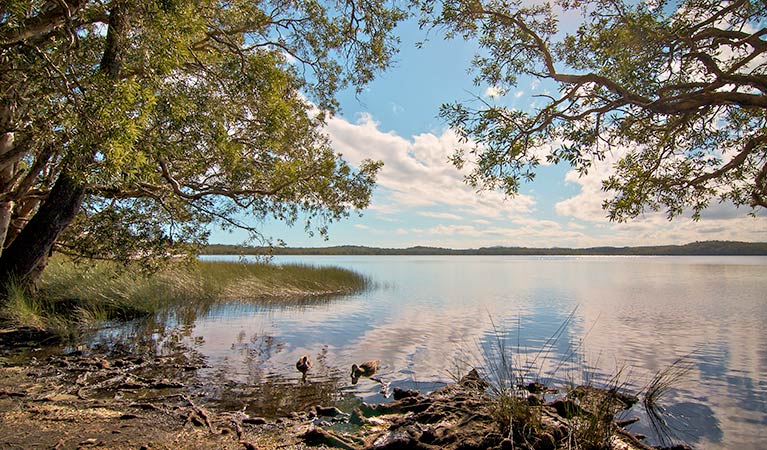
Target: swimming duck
(304, 364)
(365, 369)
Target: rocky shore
(131, 401)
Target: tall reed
(86, 294)
(656, 391)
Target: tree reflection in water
(242, 382)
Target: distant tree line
(692, 249)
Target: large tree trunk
(7, 138)
(26, 257)
(6, 175)
(6, 213)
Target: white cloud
(519, 94)
(290, 59)
(417, 172)
(587, 205)
(718, 222)
(417, 180)
(493, 92)
(437, 215)
(523, 233)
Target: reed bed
(73, 295)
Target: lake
(566, 320)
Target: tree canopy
(676, 88)
(126, 126)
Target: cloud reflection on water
(638, 313)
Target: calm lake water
(428, 318)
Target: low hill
(695, 248)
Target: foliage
(675, 88)
(175, 114)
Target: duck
(365, 369)
(304, 364)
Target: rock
(546, 441)
(404, 393)
(536, 388)
(103, 364)
(166, 384)
(472, 379)
(463, 416)
(566, 408)
(395, 440)
(595, 399)
(327, 411)
(254, 420)
(534, 400)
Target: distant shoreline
(705, 248)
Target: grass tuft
(588, 410)
(73, 295)
(22, 309)
(656, 391)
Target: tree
(126, 126)
(679, 86)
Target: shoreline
(705, 248)
(124, 399)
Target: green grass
(590, 407)
(72, 296)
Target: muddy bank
(116, 399)
(124, 399)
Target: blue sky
(421, 199)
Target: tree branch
(751, 145)
(40, 25)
